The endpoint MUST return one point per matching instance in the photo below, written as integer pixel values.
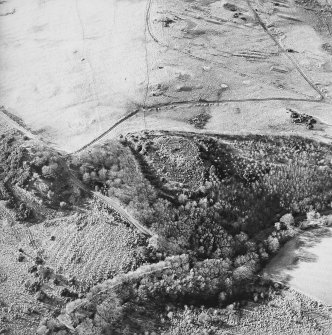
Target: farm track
(298, 68)
(187, 103)
(197, 103)
(123, 119)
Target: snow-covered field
(72, 67)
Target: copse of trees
(111, 169)
(14, 170)
(13, 159)
(38, 169)
(51, 177)
(45, 162)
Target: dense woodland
(38, 169)
(220, 208)
(248, 195)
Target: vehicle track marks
(291, 59)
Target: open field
(170, 53)
(77, 64)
